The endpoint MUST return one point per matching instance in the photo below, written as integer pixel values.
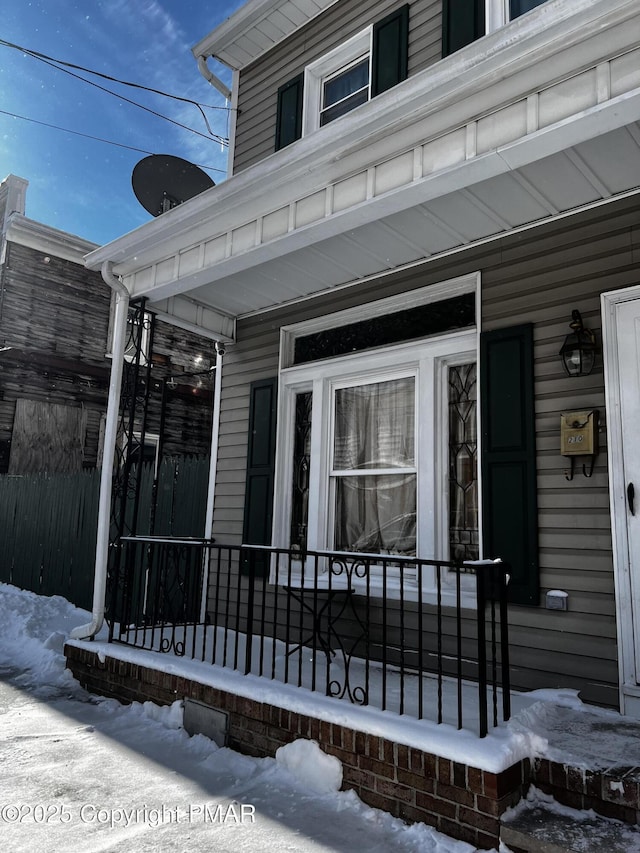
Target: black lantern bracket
(578, 352)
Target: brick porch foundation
(459, 800)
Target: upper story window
(337, 83)
(519, 7)
(346, 89)
(365, 65)
(464, 21)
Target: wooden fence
(48, 523)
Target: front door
(627, 514)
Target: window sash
(329, 68)
(345, 90)
(373, 471)
(375, 513)
(346, 82)
(374, 425)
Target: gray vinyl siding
(259, 82)
(537, 277)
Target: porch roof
(534, 121)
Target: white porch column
(213, 470)
(85, 632)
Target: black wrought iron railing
(423, 638)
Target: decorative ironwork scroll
(134, 403)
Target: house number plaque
(578, 433)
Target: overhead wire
(38, 55)
(95, 138)
(57, 63)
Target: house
(55, 362)
(427, 202)
(55, 355)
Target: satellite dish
(162, 181)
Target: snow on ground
(85, 773)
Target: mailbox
(579, 434)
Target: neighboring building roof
(35, 235)
(17, 228)
(255, 28)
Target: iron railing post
(481, 600)
(504, 641)
(250, 601)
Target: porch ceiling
(580, 176)
(543, 120)
(310, 261)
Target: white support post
(213, 468)
(85, 632)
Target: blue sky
(77, 184)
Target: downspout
(86, 632)
(213, 470)
(230, 95)
(210, 77)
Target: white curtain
(375, 430)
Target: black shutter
(462, 23)
(258, 506)
(509, 505)
(289, 112)
(390, 51)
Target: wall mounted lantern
(578, 351)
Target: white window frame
(330, 64)
(497, 14)
(151, 440)
(427, 359)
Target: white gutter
(210, 77)
(213, 470)
(85, 632)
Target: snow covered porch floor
(417, 770)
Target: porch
(419, 638)
(415, 769)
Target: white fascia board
(481, 168)
(241, 23)
(186, 314)
(571, 131)
(43, 238)
(531, 52)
